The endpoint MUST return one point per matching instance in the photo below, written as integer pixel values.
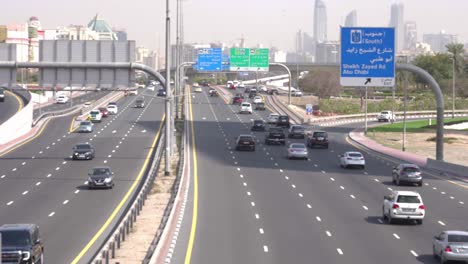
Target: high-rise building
(299, 43)
(351, 19)
(121, 34)
(439, 41)
(328, 52)
(320, 21)
(411, 35)
(102, 28)
(397, 21)
(141, 54)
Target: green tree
(438, 65)
(457, 50)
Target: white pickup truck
(386, 116)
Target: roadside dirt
(455, 147)
(133, 249)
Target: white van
(246, 108)
(95, 115)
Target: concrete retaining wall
(443, 166)
(18, 125)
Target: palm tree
(457, 51)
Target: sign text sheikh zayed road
(367, 57)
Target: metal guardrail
(56, 113)
(277, 105)
(125, 224)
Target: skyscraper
(439, 41)
(351, 19)
(397, 21)
(320, 21)
(411, 35)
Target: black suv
(252, 94)
(283, 121)
(260, 106)
(21, 244)
(296, 131)
(275, 136)
(245, 142)
(84, 151)
(258, 125)
(318, 138)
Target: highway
(39, 183)
(10, 106)
(260, 207)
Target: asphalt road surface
(260, 207)
(39, 183)
(9, 106)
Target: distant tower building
(411, 35)
(102, 28)
(351, 19)
(320, 21)
(439, 41)
(121, 34)
(397, 21)
(299, 43)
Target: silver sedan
(451, 246)
(297, 150)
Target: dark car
(245, 142)
(237, 100)
(21, 244)
(205, 84)
(260, 106)
(407, 173)
(2, 95)
(240, 95)
(84, 151)
(252, 94)
(258, 125)
(318, 138)
(283, 121)
(161, 92)
(140, 103)
(275, 136)
(104, 111)
(296, 131)
(247, 90)
(100, 177)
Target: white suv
(62, 99)
(95, 115)
(352, 158)
(246, 108)
(273, 118)
(386, 116)
(404, 205)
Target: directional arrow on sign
(368, 80)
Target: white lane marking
(377, 180)
(242, 176)
(342, 187)
(380, 220)
(47, 147)
(143, 131)
(38, 183)
(451, 197)
(109, 156)
(64, 162)
(309, 206)
(105, 161)
(3, 176)
(65, 202)
(442, 192)
(53, 143)
(113, 151)
(14, 169)
(77, 191)
(252, 204)
(40, 152)
(49, 175)
(427, 184)
(339, 251)
(286, 177)
(414, 253)
(261, 231)
(235, 162)
(58, 168)
(203, 118)
(396, 236)
(352, 196)
(461, 202)
(328, 233)
(294, 186)
(51, 214)
(365, 207)
(33, 157)
(10, 203)
(315, 165)
(248, 193)
(323, 172)
(300, 195)
(434, 188)
(332, 179)
(245, 184)
(265, 248)
(318, 219)
(117, 146)
(24, 163)
(238, 169)
(25, 192)
(257, 216)
(281, 170)
(390, 189)
(365, 173)
(441, 223)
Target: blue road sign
(367, 57)
(209, 59)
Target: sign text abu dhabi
(209, 59)
(367, 57)
(244, 59)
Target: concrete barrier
(17, 125)
(443, 166)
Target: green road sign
(243, 59)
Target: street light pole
(453, 86)
(405, 94)
(365, 104)
(168, 94)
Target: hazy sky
(269, 22)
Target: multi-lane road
(11, 105)
(39, 183)
(260, 207)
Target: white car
(352, 158)
(403, 205)
(87, 104)
(133, 92)
(451, 245)
(195, 84)
(386, 116)
(257, 99)
(150, 87)
(112, 109)
(228, 84)
(246, 108)
(61, 99)
(296, 93)
(236, 83)
(273, 118)
(198, 89)
(241, 85)
(95, 115)
(263, 89)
